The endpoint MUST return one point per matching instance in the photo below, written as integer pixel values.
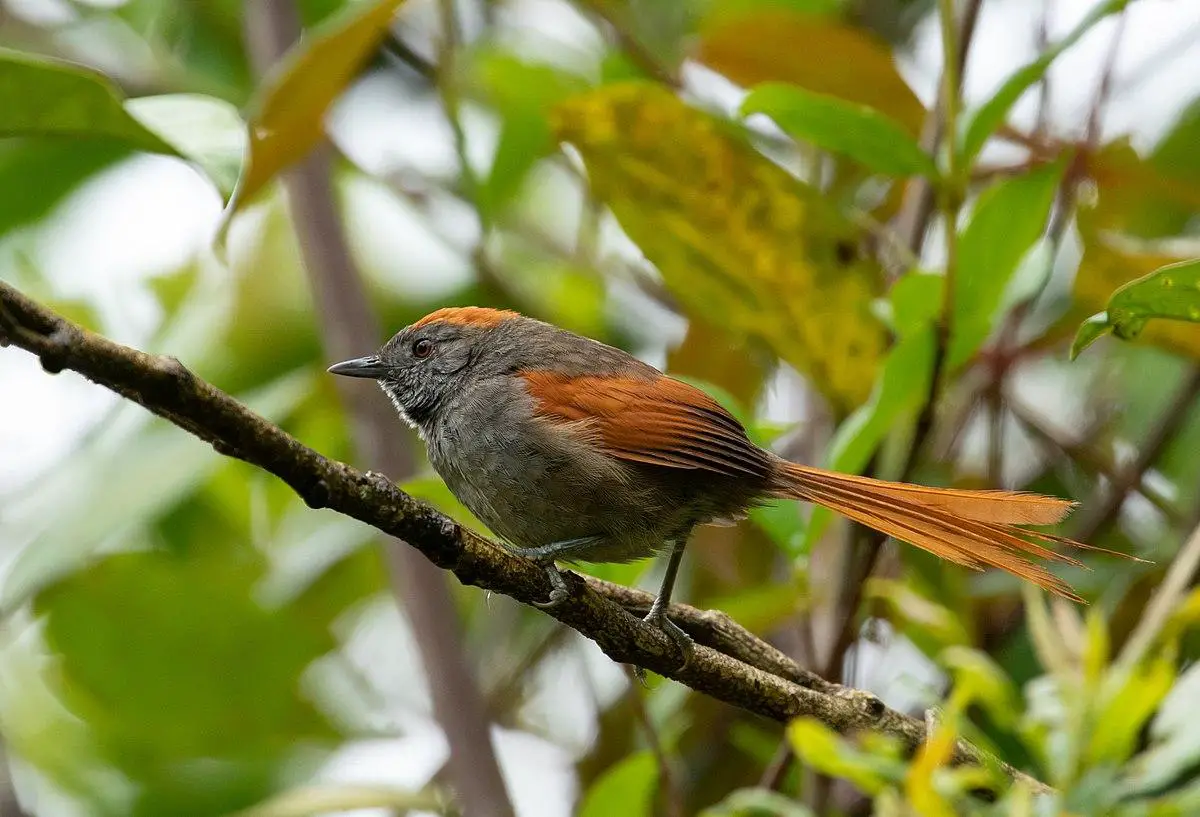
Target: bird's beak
(370, 366)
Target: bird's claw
(557, 596)
(687, 647)
(559, 592)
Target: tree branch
(167, 388)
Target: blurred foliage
(183, 636)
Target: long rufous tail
(971, 528)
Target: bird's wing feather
(653, 420)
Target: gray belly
(536, 488)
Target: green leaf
(757, 803)
(1175, 740)
(45, 97)
(1008, 219)
(1090, 331)
(206, 130)
(928, 624)
(36, 175)
(825, 750)
(839, 126)
(1128, 701)
(288, 113)
(1171, 292)
(821, 54)
(984, 122)
(627, 788)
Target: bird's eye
(422, 348)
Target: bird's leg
(658, 610)
(545, 555)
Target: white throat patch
(394, 396)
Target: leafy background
(729, 190)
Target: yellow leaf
(1132, 192)
(287, 115)
(816, 53)
(739, 242)
(919, 785)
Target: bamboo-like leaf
(901, 389)
(738, 241)
(1008, 219)
(287, 119)
(847, 128)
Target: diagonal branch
(166, 387)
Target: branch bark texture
(730, 664)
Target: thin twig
(1179, 578)
(912, 222)
(1103, 509)
(1042, 43)
(447, 86)
(1085, 455)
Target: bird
(571, 450)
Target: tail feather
(976, 529)
(1003, 507)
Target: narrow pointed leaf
(856, 131)
(1008, 219)
(289, 113)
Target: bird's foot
(545, 556)
(559, 592)
(687, 647)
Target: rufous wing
(653, 420)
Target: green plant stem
(950, 196)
